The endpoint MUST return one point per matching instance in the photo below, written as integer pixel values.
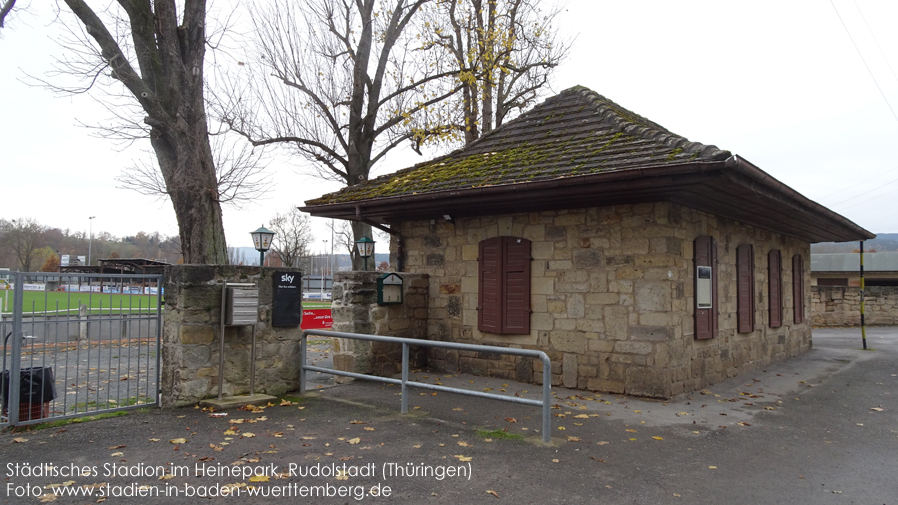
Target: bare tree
(23, 236)
(505, 51)
(339, 83)
(293, 237)
(154, 55)
(5, 9)
(236, 256)
(238, 169)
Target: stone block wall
(841, 306)
(191, 330)
(611, 297)
(355, 310)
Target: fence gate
(78, 344)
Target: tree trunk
(187, 165)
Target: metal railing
(405, 383)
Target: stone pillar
(191, 330)
(355, 310)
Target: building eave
(732, 188)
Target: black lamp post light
(365, 247)
(262, 242)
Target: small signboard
(317, 319)
(286, 306)
(389, 289)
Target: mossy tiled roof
(578, 132)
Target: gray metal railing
(405, 383)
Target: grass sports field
(41, 301)
(51, 301)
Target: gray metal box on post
(242, 306)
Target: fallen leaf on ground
(877, 409)
(248, 435)
(490, 491)
(63, 484)
(353, 441)
(259, 478)
(20, 440)
(114, 454)
(658, 438)
(178, 440)
(712, 467)
(463, 458)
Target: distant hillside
(884, 242)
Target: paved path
(801, 431)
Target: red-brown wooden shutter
(745, 288)
(489, 316)
(705, 255)
(798, 289)
(516, 270)
(504, 298)
(775, 288)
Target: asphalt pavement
(820, 428)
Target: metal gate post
(16, 350)
(159, 286)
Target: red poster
(317, 319)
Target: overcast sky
(778, 83)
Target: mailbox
(389, 289)
(242, 306)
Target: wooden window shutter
(775, 287)
(516, 277)
(504, 285)
(798, 289)
(745, 288)
(705, 255)
(489, 314)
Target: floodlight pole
(90, 240)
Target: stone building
(641, 262)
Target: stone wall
(355, 310)
(191, 330)
(841, 306)
(611, 297)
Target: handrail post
(547, 394)
(404, 394)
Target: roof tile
(575, 133)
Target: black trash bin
(37, 389)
